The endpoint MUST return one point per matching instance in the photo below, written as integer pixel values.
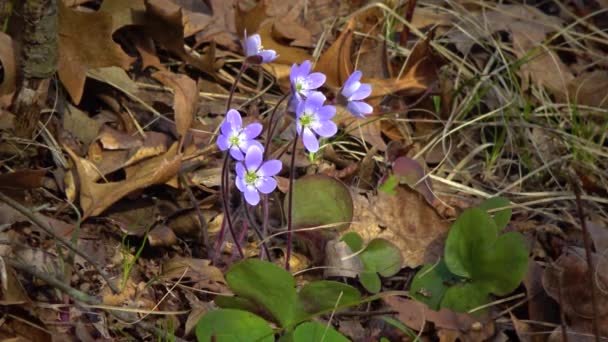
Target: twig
(44, 226)
(83, 297)
(591, 266)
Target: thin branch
(44, 226)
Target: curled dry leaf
(336, 61)
(85, 42)
(199, 273)
(95, 197)
(406, 220)
(9, 68)
(287, 54)
(186, 97)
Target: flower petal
(226, 127)
(310, 140)
(267, 185)
(236, 153)
(268, 55)
(222, 142)
(363, 92)
(351, 84)
(270, 168)
(240, 170)
(326, 112)
(251, 195)
(314, 101)
(252, 130)
(248, 143)
(359, 108)
(315, 80)
(235, 120)
(326, 129)
(252, 44)
(253, 157)
(240, 184)
(305, 68)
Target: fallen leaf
(9, 69)
(115, 77)
(406, 220)
(185, 100)
(80, 125)
(197, 272)
(417, 316)
(95, 198)
(85, 42)
(162, 236)
(589, 89)
(11, 292)
(287, 54)
(569, 274)
(336, 62)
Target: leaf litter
(486, 99)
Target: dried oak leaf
(198, 272)
(406, 220)
(96, 197)
(9, 68)
(85, 42)
(185, 98)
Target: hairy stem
(292, 171)
(271, 127)
(225, 191)
(236, 81)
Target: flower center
(307, 119)
(301, 84)
(251, 177)
(235, 139)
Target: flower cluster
(313, 120)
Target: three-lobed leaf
(431, 283)
(501, 217)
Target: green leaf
(371, 281)
(316, 332)
(473, 231)
(354, 241)
(237, 303)
(463, 298)
(503, 264)
(324, 294)
(266, 284)
(382, 256)
(321, 200)
(229, 325)
(430, 283)
(501, 217)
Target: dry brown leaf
(80, 125)
(406, 220)
(95, 197)
(287, 54)
(417, 316)
(11, 292)
(421, 72)
(124, 12)
(85, 42)
(162, 236)
(185, 98)
(336, 61)
(164, 23)
(250, 20)
(528, 27)
(570, 275)
(198, 272)
(9, 69)
(590, 89)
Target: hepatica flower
(255, 52)
(236, 138)
(355, 91)
(303, 83)
(255, 176)
(313, 118)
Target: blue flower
(236, 138)
(255, 175)
(303, 83)
(255, 52)
(312, 117)
(355, 91)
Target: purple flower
(303, 83)
(313, 117)
(235, 137)
(255, 176)
(254, 51)
(354, 91)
